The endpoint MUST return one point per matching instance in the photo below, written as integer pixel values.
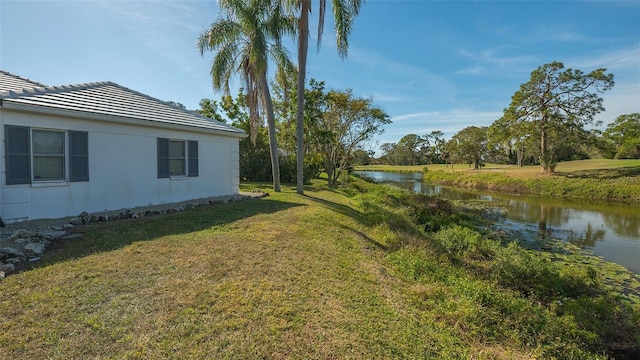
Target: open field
(578, 167)
(602, 179)
(330, 275)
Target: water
(609, 230)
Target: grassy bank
(613, 180)
(347, 274)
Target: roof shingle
(10, 82)
(102, 100)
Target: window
(48, 155)
(33, 155)
(177, 158)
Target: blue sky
(431, 65)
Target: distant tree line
(544, 124)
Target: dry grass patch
(282, 277)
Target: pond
(609, 230)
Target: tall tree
(437, 144)
(624, 134)
(343, 13)
(243, 41)
(557, 101)
(348, 123)
(209, 108)
(470, 145)
(411, 145)
(515, 139)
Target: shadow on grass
(603, 173)
(339, 208)
(352, 213)
(102, 237)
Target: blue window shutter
(79, 154)
(163, 158)
(193, 158)
(17, 154)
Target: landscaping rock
(36, 235)
(7, 268)
(8, 252)
(21, 234)
(36, 248)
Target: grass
(566, 167)
(598, 179)
(345, 274)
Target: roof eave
(7, 104)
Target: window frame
(20, 156)
(63, 155)
(189, 159)
(182, 159)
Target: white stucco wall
(122, 170)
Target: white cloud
(622, 99)
(474, 70)
(382, 97)
(449, 122)
(557, 32)
(621, 59)
(493, 61)
(409, 75)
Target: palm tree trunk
(271, 125)
(303, 45)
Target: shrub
(528, 272)
(458, 240)
(425, 207)
(289, 173)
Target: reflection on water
(610, 230)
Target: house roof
(104, 101)
(10, 82)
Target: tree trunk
(271, 125)
(544, 151)
(303, 45)
(329, 168)
(520, 156)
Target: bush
(528, 272)
(289, 169)
(425, 207)
(458, 240)
(255, 161)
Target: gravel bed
(57, 227)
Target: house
(101, 146)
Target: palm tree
(243, 41)
(343, 13)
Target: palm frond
(344, 11)
(224, 63)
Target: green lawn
(320, 276)
(592, 166)
(281, 277)
(599, 179)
